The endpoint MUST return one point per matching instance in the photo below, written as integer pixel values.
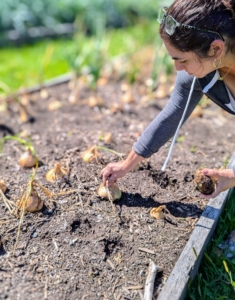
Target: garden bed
(81, 246)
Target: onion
(56, 173)
(127, 97)
(34, 202)
(95, 101)
(27, 160)
(3, 186)
(205, 184)
(112, 192)
(108, 138)
(90, 154)
(87, 156)
(157, 212)
(116, 107)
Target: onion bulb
(109, 193)
(108, 138)
(95, 101)
(33, 204)
(3, 186)
(90, 154)
(58, 172)
(127, 97)
(204, 183)
(116, 107)
(157, 212)
(27, 160)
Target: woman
(199, 35)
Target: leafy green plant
(21, 14)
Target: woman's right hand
(113, 171)
(116, 170)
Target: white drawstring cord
(178, 128)
(212, 82)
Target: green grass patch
(32, 64)
(216, 273)
(29, 65)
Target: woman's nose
(178, 66)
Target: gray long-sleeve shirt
(163, 127)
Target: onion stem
(24, 198)
(22, 142)
(112, 151)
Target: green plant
(226, 161)
(27, 143)
(21, 14)
(46, 59)
(193, 149)
(21, 68)
(162, 64)
(89, 58)
(180, 139)
(132, 72)
(232, 282)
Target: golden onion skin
(112, 191)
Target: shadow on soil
(177, 209)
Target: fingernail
(205, 172)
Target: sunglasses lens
(170, 25)
(160, 16)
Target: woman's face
(189, 62)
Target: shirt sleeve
(163, 127)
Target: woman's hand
(225, 180)
(113, 171)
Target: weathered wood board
(188, 263)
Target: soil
(81, 246)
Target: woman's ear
(216, 49)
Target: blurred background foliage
(23, 14)
(34, 50)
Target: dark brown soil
(81, 247)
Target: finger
(108, 168)
(112, 179)
(106, 176)
(210, 172)
(103, 170)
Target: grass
(22, 67)
(216, 273)
(32, 64)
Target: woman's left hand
(225, 180)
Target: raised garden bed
(81, 247)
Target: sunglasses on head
(171, 24)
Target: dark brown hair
(215, 15)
